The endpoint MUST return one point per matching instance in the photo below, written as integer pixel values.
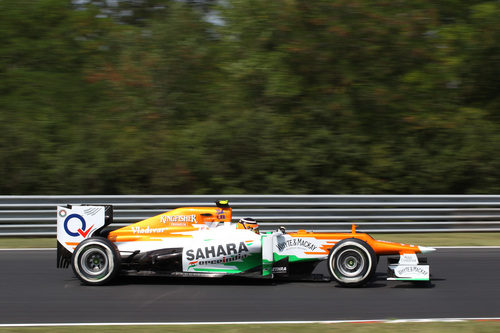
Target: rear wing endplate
(76, 223)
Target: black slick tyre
(95, 261)
(352, 262)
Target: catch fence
(36, 215)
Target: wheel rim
(94, 262)
(351, 263)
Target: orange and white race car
(203, 242)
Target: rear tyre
(352, 262)
(95, 261)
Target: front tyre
(95, 261)
(352, 262)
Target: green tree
(48, 111)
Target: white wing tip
(425, 249)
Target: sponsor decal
(148, 230)
(408, 258)
(296, 243)
(92, 211)
(216, 251)
(178, 219)
(76, 229)
(279, 270)
(220, 214)
(222, 260)
(216, 254)
(411, 270)
(178, 224)
(192, 264)
(63, 213)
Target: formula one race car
(203, 242)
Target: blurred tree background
(249, 96)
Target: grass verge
(451, 327)
(37, 242)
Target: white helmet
(250, 224)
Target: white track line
(374, 321)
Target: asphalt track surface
(465, 283)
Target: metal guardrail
(36, 215)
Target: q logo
(82, 231)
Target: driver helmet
(250, 224)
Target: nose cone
(425, 249)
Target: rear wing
(76, 223)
